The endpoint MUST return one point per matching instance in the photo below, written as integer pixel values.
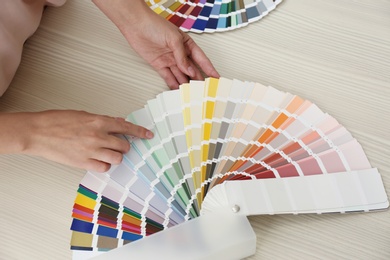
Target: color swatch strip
(212, 15)
(355, 191)
(208, 133)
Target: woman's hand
(172, 53)
(74, 138)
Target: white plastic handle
(219, 235)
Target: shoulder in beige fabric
(19, 19)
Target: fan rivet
(236, 208)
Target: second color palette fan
(212, 15)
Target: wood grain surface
(334, 53)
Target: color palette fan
(212, 15)
(223, 143)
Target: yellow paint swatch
(85, 201)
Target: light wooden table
(334, 53)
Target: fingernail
(191, 71)
(149, 134)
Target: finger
(180, 54)
(169, 78)
(123, 127)
(198, 74)
(108, 156)
(200, 58)
(96, 166)
(179, 75)
(116, 143)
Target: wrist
(125, 14)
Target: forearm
(15, 129)
(124, 13)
